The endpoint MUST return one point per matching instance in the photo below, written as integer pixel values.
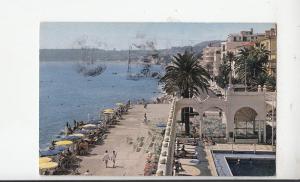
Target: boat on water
(134, 76)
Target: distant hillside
(115, 55)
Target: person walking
(106, 158)
(113, 158)
(87, 173)
(145, 118)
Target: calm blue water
(66, 95)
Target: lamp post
(245, 76)
(273, 103)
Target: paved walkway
(130, 162)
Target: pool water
(252, 167)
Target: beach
(129, 161)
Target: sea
(67, 95)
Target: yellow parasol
(48, 165)
(63, 142)
(108, 111)
(44, 159)
(77, 134)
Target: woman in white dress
(106, 158)
(113, 158)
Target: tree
(225, 70)
(186, 77)
(251, 63)
(209, 68)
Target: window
(234, 39)
(244, 38)
(223, 47)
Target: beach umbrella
(119, 104)
(48, 165)
(69, 137)
(44, 159)
(161, 125)
(63, 142)
(108, 111)
(60, 148)
(89, 126)
(78, 135)
(49, 152)
(82, 132)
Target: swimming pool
(244, 163)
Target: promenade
(130, 161)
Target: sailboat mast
(129, 61)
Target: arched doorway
(246, 126)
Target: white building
(237, 41)
(211, 59)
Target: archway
(245, 124)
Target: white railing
(165, 164)
(270, 96)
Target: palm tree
(186, 77)
(251, 63)
(225, 70)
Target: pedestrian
(198, 156)
(106, 158)
(145, 118)
(113, 158)
(87, 173)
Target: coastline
(87, 105)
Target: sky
(119, 36)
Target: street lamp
(273, 103)
(245, 76)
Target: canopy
(63, 142)
(48, 165)
(44, 159)
(49, 152)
